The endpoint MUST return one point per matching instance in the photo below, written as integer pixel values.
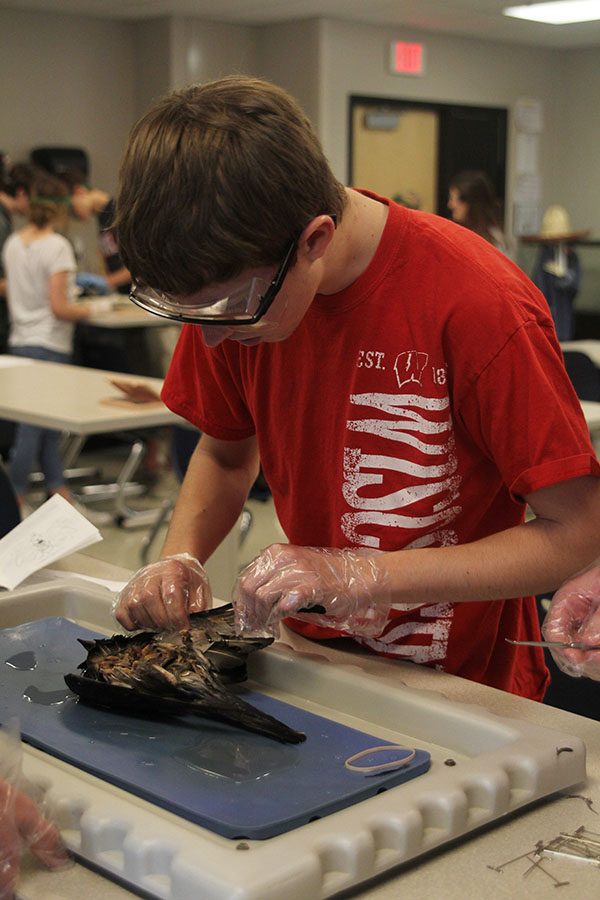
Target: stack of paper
(54, 530)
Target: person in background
(88, 202)
(574, 616)
(557, 269)
(22, 824)
(400, 378)
(473, 203)
(15, 183)
(40, 270)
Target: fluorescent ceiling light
(560, 12)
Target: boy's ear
(316, 237)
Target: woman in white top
(40, 270)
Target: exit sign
(407, 59)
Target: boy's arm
(528, 559)
(218, 479)
(357, 586)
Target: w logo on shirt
(409, 366)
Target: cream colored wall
(459, 70)
(77, 80)
(69, 81)
(290, 55)
(152, 61)
(202, 51)
(576, 182)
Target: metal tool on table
(559, 645)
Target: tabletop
(466, 868)
(125, 314)
(76, 399)
(588, 346)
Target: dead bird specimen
(178, 673)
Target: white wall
(458, 70)
(77, 80)
(202, 51)
(152, 62)
(290, 55)
(68, 81)
(576, 181)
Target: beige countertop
(455, 871)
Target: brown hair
(483, 209)
(216, 178)
(48, 200)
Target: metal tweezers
(561, 645)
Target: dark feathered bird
(178, 673)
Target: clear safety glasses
(242, 307)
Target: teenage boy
(398, 377)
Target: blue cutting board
(232, 782)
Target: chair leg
(245, 525)
(164, 513)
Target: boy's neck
(355, 242)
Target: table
(74, 399)
(125, 314)
(590, 347)
(456, 871)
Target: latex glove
(92, 283)
(161, 595)
(574, 615)
(99, 307)
(22, 824)
(347, 586)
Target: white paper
(54, 530)
(528, 190)
(529, 115)
(526, 219)
(45, 575)
(527, 154)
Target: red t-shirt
(415, 408)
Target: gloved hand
(92, 283)
(161, 595)
(22, 823)
(574, 615)
(347, 587)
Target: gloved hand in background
(574, 615)
(161, 596)
(22, 823)
(90, 283)
(345, 588)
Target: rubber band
(381, 767)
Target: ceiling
(473, 18)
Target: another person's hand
(574, 615)
(163, 594)
(92, 283)
(23, 826)
(346, 589)
(22, 823)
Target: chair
(10, 515)
(583, 373)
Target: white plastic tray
(500, 765)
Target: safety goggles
(242, 307)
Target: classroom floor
(122, 546)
